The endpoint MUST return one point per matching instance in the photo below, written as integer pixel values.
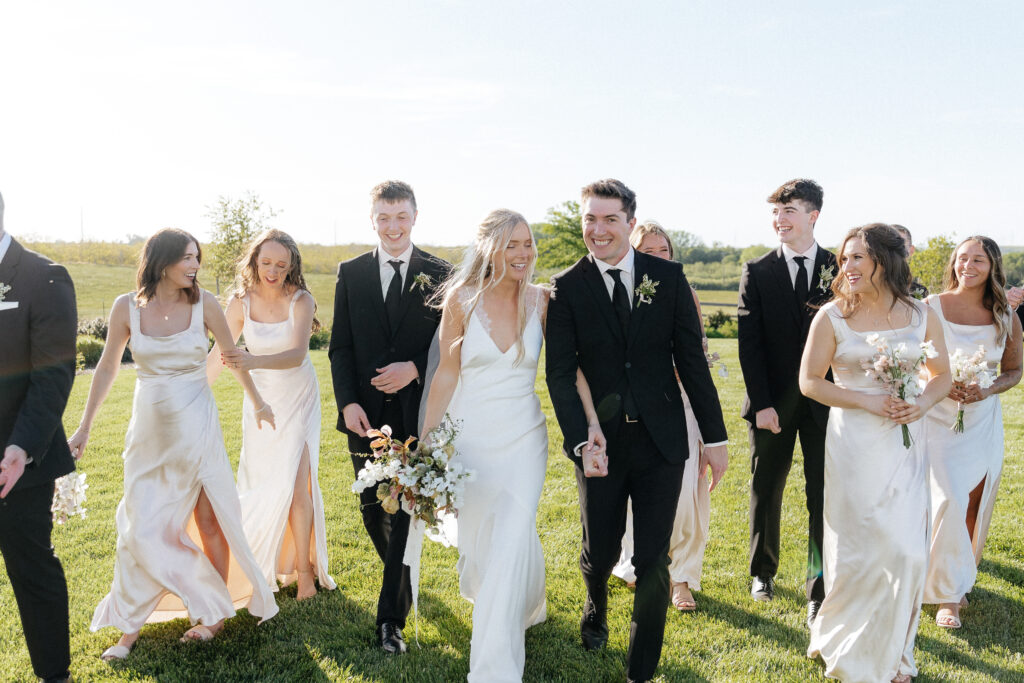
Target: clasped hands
(896, 409)
(967, 393)
(238, 358)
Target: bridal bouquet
(897, 371)
(713, 358)
(68, 496)
(423, 480)
(969, 370)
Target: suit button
(628, 365)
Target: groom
(37, 367)
(625, 318)
(382, 332)
(779, 294)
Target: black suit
(37, 368)
(773, 330)
(361, 341)
(646, 457)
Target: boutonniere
(825, 277)
(646, 290)
(423, 281)
(3, 290)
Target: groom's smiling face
(393, 222)
(606, 229)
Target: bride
(490, 337)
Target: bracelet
(262, 407)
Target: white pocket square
(4, 305)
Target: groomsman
(779, 295)
(917, 290)
(37, 367)
(382, 331)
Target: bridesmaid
(965, 468)
(174, 456)
(693, 511)
(282, 509)
(875, 548)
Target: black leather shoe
(58, 679)
(763, 588)
(391, 640)
(593, 627)
(812, 611)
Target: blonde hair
(646, 228)
(474, 276)
(247, 274)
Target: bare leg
(215, 545)
(973, 504)
(300, 519)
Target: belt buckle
(631, 420)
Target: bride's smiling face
(273, 264)
(516, 257)
(857, 266)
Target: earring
(163, 273)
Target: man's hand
(767, 418)
(395, 377)
(717, 458)
(11, 468)
(1014, 295)
(355, 419)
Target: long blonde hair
(247, 274)
(473, 277)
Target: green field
(330, 638)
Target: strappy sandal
(199, 633)
(115, 652)
(945, 618)
(682, 598)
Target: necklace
(162, 310)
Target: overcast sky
(137, 116)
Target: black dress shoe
(593, 627)
(812, 611)
(57, 679)
(391, 640)
(763, 588)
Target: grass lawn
(331, 638)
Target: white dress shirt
(5, 242)
(387, 271)
(626, 276)
(811, 254)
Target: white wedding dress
(503, 439)
(957, 463)
(269, 463)
(875, 546)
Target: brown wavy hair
(247, 274)
(165, 248)
(994, 298)
(887, 252)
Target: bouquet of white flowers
(68, 496)
(897, 372)
(423, 480)
(971, 369)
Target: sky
(121, 118)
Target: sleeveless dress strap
(134, 326)
(839, 327)
(197, 315)
(295, 298)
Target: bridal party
(891, 391)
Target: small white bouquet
(713, 359)
(971, 369)
(423, 480)
(897, 371)
(68, 496)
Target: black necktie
(620, 299)
(394, 298)
(801, 281)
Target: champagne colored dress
(173, 449)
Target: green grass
(729, 638)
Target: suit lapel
(416, 262)
(820, 261)
(592, 276)
(372, 275)
(784, 283)
(9, 266)
(639, 309)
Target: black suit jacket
(583, 331)
(37, 362)
(361, 339)
(773, 330)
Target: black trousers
(771, 460)
(37, 578)
(387, 532)
(636, 469)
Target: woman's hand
(956, 392)
(77, 442)
(903, 413)
(238, 359)
(876, 404)
(265, 414)
(595, 455)
(972, 393)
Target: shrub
(320, 339)
(717, 319)
(98, 327)
(89, 349)
(727, 330)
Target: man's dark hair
(903, 231)
(803, 189)
(610, 188)
(393, 191)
